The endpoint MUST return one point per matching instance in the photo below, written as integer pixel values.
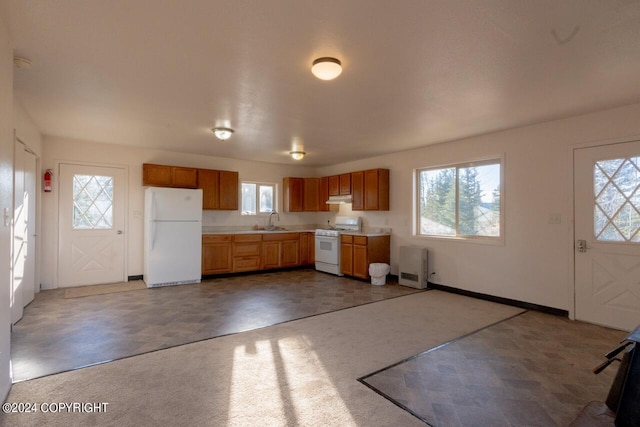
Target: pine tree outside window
(461, 201)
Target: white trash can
(378, 272)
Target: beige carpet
(302, 372)
(84, 291)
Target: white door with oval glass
(607, 233)
(91, 246)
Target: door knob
(581, 246)
(119, 231)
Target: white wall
(57, 150)
(534, 264)
(6, 200)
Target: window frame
(259, 184)
(483, 161)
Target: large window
(258, 198)
(462, 201)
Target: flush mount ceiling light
(297, 155)
(326, 68)
(222, 133)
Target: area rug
(85, 291)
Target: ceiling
(162, 73)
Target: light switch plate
(555, 218)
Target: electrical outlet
(7, 218)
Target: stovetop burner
(343, 223)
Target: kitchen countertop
(364, 233)
(227, 232)
(367, 233)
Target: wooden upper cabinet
(229, 190)
(219, 189)
(169, 176)
(345, 184)
(209, 182)
(370, 190)
(310, 194)
(376, 189)
(184, 177)
(156, 175)
(293, 190)
(334, 185)
(323, 194)
(357, 191)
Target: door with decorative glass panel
(91, 225)
(607, 233)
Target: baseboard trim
(133, 278)
(500, 300)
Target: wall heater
(414, 271)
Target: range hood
(338, 200)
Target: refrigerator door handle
(153, 220)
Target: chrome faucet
(269, 226)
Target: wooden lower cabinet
(280, 250)
(360, 261)
(232, 253)
(216, 254)
(247, 250)
(346, 255)
(290, 253)
(307, 248)
(270, 255)
(357, 252)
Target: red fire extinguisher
(48, 176)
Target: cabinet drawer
(216, 238)
(248, 263)
(346, 239)
(247, 238)
(246, 249)
(360, 240)
(277, 237)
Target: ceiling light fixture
(297, 155)
(222, 133)
(326, 68)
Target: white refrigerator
(172, 236)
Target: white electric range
(328, 243)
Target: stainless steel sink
(276, 229)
